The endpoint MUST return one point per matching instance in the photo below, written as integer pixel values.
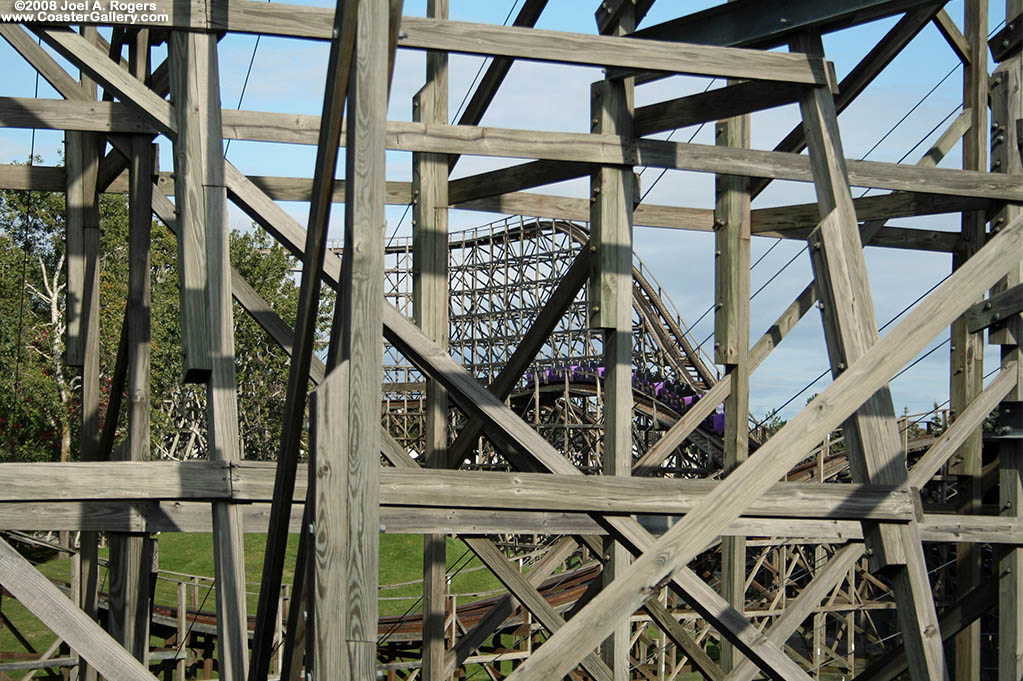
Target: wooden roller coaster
(528, 385)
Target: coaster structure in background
(530, 378)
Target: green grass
(401, 560)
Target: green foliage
(39, 419)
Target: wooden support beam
(343, 579)
(430, 276)
(83, 277)
(513, 580)
(965, 423)
(863, 74)
(808, 600)
(997, 308)
(206, 299)
(533, 450)
(339, 68)
(1006, 43)
(750, 24)
(732, 225)
(130, 571)
(504, 608)
(967, 609)
(953, 36)
(850, 329)
(608, 51)
(719, 103)
(864, 377)
(534, 338)
(613, 192)
(1007, 157)
(63, 617)
(966, 359)
(499, 67)
(680, 637)
(610, 149)
(188, 67)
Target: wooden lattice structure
(882, 518)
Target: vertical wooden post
(1006, 112)
(182, 632)
(129, 576)
(613, 193)
(731, 342)
(967, 349)
(82, 153)
(850, 328)
(202, 225)
(345, 410)
(430, 308)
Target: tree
(40, 396)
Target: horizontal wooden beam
(252, 482)
(195, 516)
(752, 23)
(248, 16)
(609, 149)
(608, 51)
(61, 114)
(998, 307)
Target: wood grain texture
(830, 408)
(573, 48)
(809, 598)
(188, 68)
(55, 114)
(63, 617)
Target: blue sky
(288, 76)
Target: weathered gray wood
(999, 306)
(63, 617)
(44, 64)
(750, 24)
(191, 156)
(966, 357)
(516, 583)
(475, 637)
(968, 608)
(484, 93)
(195, 76)
(953, 36)
(613, 192)
(99, 67)
(965, 423)
(430, 309)
(82, 157)
(129, 573)
(719, 103)
(1006, 112)
(731, 342)
(850, 329)
(518, 435)
(683, 640)
(339, 67)
(548, 317)
(22, 112)
(115, 480)
(573, 48)
(863, 74)
(854, 386)
(809, 598)
(301, 189)
(560, 146)
(354, 449)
